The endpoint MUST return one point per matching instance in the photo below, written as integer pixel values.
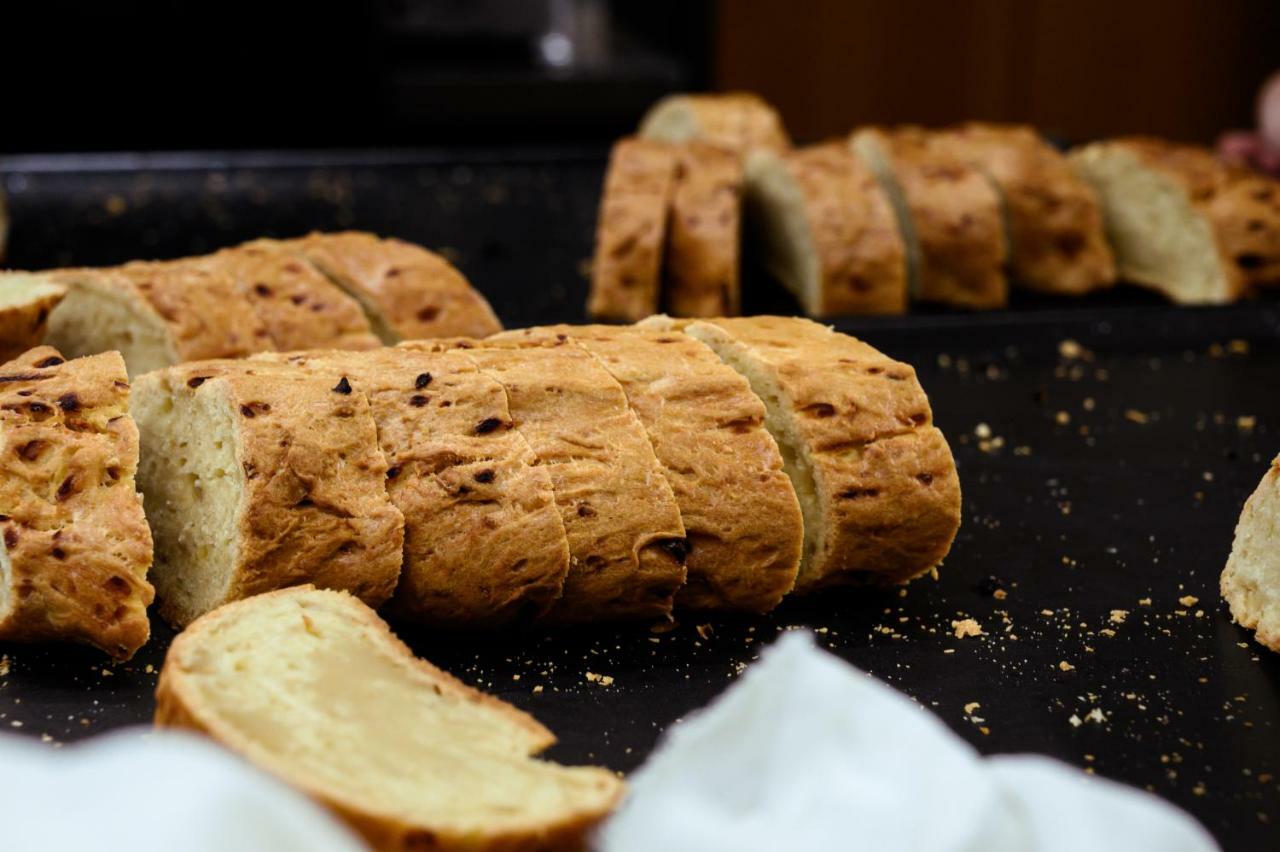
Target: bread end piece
(26, 301)
(1251, 580)
(314, 688)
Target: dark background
(157, 74)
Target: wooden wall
(1186, 69)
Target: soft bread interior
(23, 288)
(1251, 581)
(1160, 239)
(310, 685)
(873, 153)
(95, 317)
(670, 120)
(192, 485)
(6, 581)
(775, 214)
(795, 456)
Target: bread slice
(631, 232)
(738, 121)
(256, 480)
(1246, 215)
(312, 687)
(26, 300)
(876, 481)
(155, 314)
(300, 307)
(407, 292)
(1177, 224)
(1251, 579)
(739, 509)
(626, 541)
(827, 231)
(1054, 219)
(949, 215)
(704, 247)
(74, 545)
(483, 539)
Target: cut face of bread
(257, 481)
(949, 215)
(1157, 201)
(407, 292)
(736, 121)
(626, 541)
(1251, 580)
(876, 481)
(1054, 219)
(740, 514)
(827, 230)
(312, 687)
(74, 545)
(26, 300)
(703, 250)
(484, 543)
(631, 232)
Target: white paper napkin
(806, 752)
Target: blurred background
(162, 74)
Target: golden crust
(300, 308)
(737, 121)
(626, 272)
(626, 540)
(23, 325)
(1055, 219)
(1252, 602)
(704, 243)
(484, 542)
(314, 507)
(178, 705)
(884, 476)
(409, 292)
(955, 218)
(73, 529)
(739, 510)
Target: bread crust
(484, 543)
(626, 540)
(314, 507)
(71, 519)
(739, 509)
(955, 219)
(23, 325)
(408, 291)
(631, 230)
(1252, 601)
(885, 480)
(300, 308)
(706, 229)
(1056, 236)
(737, 121)
(178, 705)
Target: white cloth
(805, 752)
(137, 791)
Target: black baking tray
(1130, 433)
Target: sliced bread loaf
(826, 230)
(255, 480)
(407, 291)
(876, 480)
(1251, 580)
(739, 509)
(949, 215)
(703, 250)
(1054, 219)
(631, 231)
(738, 121)
(312, 687)
(484, 543)
(74, 545)
(626, 541)
(26, 300)
(1180, 222)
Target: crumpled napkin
(806, 752)
(153, 792)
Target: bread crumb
(1070, 349)
(1075, 721)
(966, 627)
(1188, 600)
(999, 594)
(1246, 422)
(537, 690)
(1135, 416)
(704, 630)
(1066, 667)
(970, 707)
(1063, 418)
(603, 680)
(1144, 601)
(982, 430)
(1119, 615)
(4, 665)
